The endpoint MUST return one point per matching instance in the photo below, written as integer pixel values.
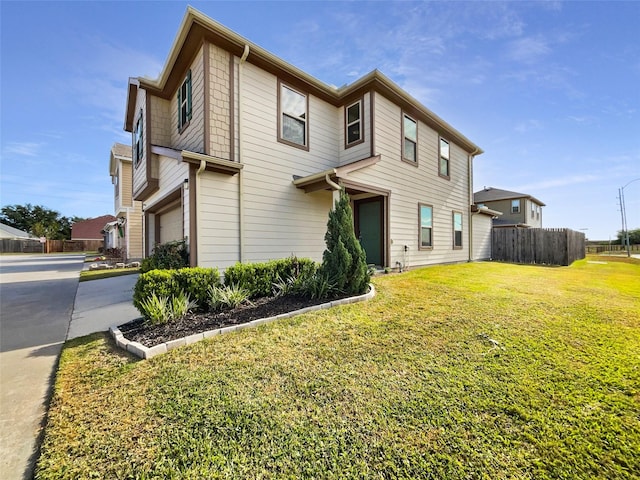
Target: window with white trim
(353, 123)
(293, 117)
(425, 214)
(184, 103)
(515, 206)
(410, 142)
(457, 230)
(443, 168)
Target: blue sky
(550, 90)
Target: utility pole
(622, 215)
(623, 211)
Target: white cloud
(527, 126)
(25, 149)
(528, 49)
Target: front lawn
(480, 370)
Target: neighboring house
(90, 229)
(13, 233)
(125, 231)
(242, 155)
(518, 209)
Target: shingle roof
(90, 229)
(490, 194)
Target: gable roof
(196, 27)
(490, 194)
(7, 231)
(90, 229)
(119, 151)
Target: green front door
(369, 228)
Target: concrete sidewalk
(102, 303)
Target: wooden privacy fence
(540, 246)
(10, 245)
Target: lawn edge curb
(145, 353)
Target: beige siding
(280, 219)
(362, 150)
(161, 121)
(219, 234)
(134, 231)
(411, 185)
(192, 137)
(171, 225)
(220, 103)
(125, 171)
(481, 225)
(140, 170)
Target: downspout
(470, 186)
(203, 165)
(243, 59)
(336, 188)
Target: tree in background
(38, 221)
(344, 261)
(634, 237)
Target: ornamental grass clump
(158, 310)
(228, 296)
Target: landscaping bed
(198, 322)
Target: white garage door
(171, 226)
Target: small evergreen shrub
(344, 264)
(170, 255)
(259, 278)
(156, 282)
(196, 282)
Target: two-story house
(243, 155)
(125, 232)
(518, 209)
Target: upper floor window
(410, 143)
(293, 117)
(515, 206)
(443, 169)
(116, 183)
(184, 102)
(538, 211)
(426, 226)
(353, 123)
(533, 210)
(457, 230)
(138, 148)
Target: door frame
(382, 201)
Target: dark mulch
(197, 322)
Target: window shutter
(179, 104)
(189, 95)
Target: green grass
(479, 370)
(87, 275)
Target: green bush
(344, 263)
(194, 282)
(259, 278)
(156, 282)
(170, 255)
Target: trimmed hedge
(169, 283)
(259, 278)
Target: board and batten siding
(219, 223)
(280, 219)
(192, 136)
(411, 185)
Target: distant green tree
(344, 261)
(38, 220)
(634, 237)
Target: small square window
(138, 148)
(184, 102)
(410, 134)
(353, 121)
(443, 168)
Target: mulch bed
(198, 322)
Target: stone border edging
(145, 353)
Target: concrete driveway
(37, 295)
